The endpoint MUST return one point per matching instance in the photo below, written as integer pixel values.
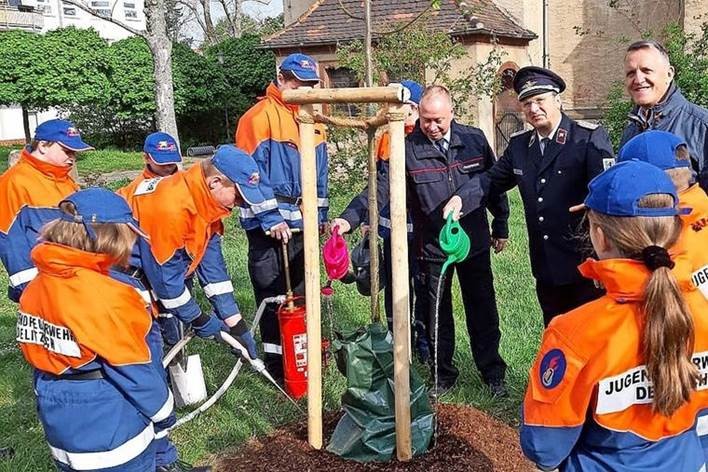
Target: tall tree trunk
(25, 124)
(237, 17)
(208, 23)
(161, 48)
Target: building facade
(583, 41)
(45, 15)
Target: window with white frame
(44, 7)
(69, 11)
(102, 7)
(131, 13)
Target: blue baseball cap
(162, 148)
(415, 89)
(63, 132)
(303, 67)
(655, 147)
(618, 190)
(99, 205)
(242, 170)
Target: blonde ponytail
(668, 334)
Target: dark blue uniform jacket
(432, 178)
(549, 186)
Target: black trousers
(267, 272)
(482, 319)
(558, 299)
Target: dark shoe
(6, 453)
(498, 388)
(181, 466)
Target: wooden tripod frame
(393, 97)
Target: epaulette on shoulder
(587, 125)
(520, 132)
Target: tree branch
(195, 13)
(78, 4)
(262, 2)
(401, 28)
(230, 17)
(348, 13)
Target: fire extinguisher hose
(208, 403)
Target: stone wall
(591, 62)
(695, 14)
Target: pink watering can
(336, 256)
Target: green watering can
(454, 242)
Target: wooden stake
(373, 235)
(308, 172)
(305, 95)
(399, 256)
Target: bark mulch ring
(469, 440)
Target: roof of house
(327, 22)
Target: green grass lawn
(93, 162)
(252, 407)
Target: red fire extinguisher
(292, 318)
(293, 339)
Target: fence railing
(12, 18)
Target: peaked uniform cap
(532, 80)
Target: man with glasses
(552, 164)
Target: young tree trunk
(25, 124)
(161, 48)
(368, 60)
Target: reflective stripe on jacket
(588, 403)
(269, 132)
(184, 223)
(74, 318)
(29, 194)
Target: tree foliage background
(108, 89)
(413, 52)
(416, 53)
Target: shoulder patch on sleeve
(555, 370)
(147, 186)
(587, 125)
(552, 368)
(519, 133)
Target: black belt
(90, 375)
(132, 271)
(286, 199)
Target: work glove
(241, 333)
(208, 326)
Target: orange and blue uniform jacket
(185, 226)
(357, 211)
(73, 319)
(694, 239)
(588, 403)
(29, 194)
(269, 132)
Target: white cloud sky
(258, 10)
